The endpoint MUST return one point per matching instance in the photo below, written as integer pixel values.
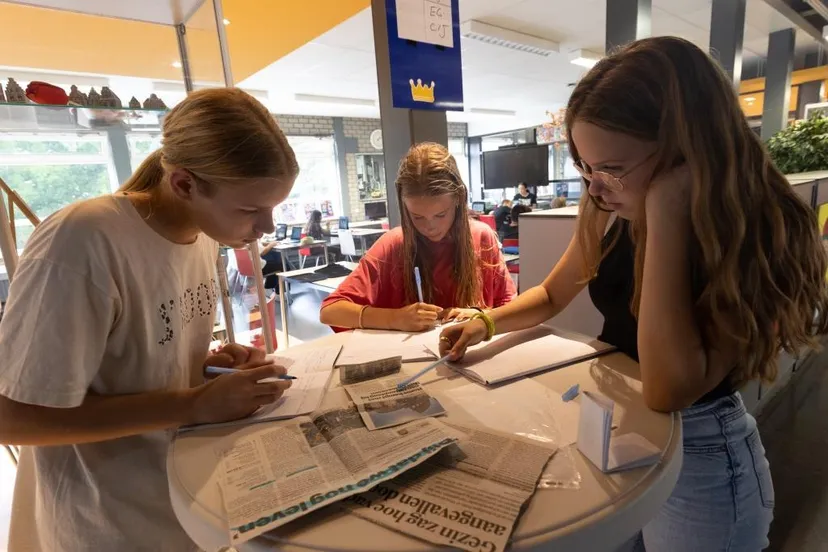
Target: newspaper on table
(294, 467)
(312, 368)
(382, 404)
(469, 501)
(355, 373)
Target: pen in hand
(219, 370)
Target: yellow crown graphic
(421, 92)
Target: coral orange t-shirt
(378, 280)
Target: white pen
(405, 383)
(219, 370)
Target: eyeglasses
(609, 181)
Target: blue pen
(218, 370)
(419, 283)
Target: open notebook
(525, 352)
(372, 345)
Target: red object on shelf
(45, 93)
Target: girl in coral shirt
(459, 259)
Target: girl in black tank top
(612, 291)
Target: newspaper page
(286, 470)
(381, 404)
(356, 373)
(469, 500)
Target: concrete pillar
(727, 32)
(627, 21)
(778, 82)
(476, 168)
(401, 128)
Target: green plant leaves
(802, 147)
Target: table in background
(285, 248)
(603, 514)
(328, 285)
(511, 258)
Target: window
(317, 186)
(141, 144)
(54, 170)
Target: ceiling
(163, 12)
(341, 62)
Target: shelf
(39, 117)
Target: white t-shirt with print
(102, 303)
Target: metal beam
(181, 35)
(627, 21)
(727, 33)
(778, 82)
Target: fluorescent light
(749, 99)
(225, 21)
(584, 58)
(508, 38)
(494, 112)
(818, 7)
(176, 64)
(338, 100)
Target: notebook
(312, 368)
(595, 441)
(372, 345)
(525, 352)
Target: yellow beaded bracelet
(490, 325)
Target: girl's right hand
(418, 317)
(454, 340)
(234, 396)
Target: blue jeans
(723, 501)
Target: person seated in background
(501, 215)
(314, 227)
(558, 202)
(510, 232)
(272, 263)
(524, 196)
(459, 261)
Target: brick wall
(360, 129)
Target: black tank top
(612, 290)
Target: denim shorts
(723, 501)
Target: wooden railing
(13, 200)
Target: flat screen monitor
(281, 231)
(479, 206)
(296, 233)
(344, 223)
(506, 168)
(376, 210)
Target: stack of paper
(370, 345)
(522, 353)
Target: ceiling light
(584, 58)
(225, 21)
(338, 100)
(507, 38)
(176, 64)
(749, 99)
(495, 112)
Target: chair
(306, 252)
(256, 324)
(511, 242)
(489, 220)
(244, 265)
(346, 244)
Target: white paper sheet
(428, 21)
(312, 368)
(370, 345)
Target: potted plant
(802, 146)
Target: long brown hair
(429, 170)
(220, 135)
(755, 245)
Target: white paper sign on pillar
(426, 21)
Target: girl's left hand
(234, 355)
(669, 193)
(459, 315)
